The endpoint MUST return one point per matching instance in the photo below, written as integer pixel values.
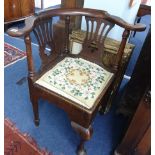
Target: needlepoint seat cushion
(76, 79)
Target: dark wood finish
(27, 7)
(68, 3)
(15, 10)
(121, 49)
(143, 10)
(140, 80)
(137, 140)
(81, 117)
(144, 146)
(85, 134)
(73, 4)
(75, 22)
(11, 10)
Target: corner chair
(76, 83)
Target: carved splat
(96, 32)
(44, 35)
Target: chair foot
(85, 134)
(80, 149)
(81, 152)
(35, 111)
(37, 122)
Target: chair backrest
(97, 28)
(98, 25)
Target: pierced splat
(96, 31)
(44, 35)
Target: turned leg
(34, 101)
(35, 111)
(85, 134)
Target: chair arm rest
(124, 24)
(19, 32)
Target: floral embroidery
(79, 78)
(82, 75)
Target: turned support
(121, 49)
(33, 97)
(30, 64)
(34, 100)
(85, 134)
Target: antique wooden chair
(75, 83)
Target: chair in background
(143, 10)
(77, 83)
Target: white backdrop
(47, 3)
(115, 7)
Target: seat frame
(81, 117)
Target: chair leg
(34, 101)
(85, 134)
(80, 149)
(35, 110)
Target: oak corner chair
(76, 83)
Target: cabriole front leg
(85, 134)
